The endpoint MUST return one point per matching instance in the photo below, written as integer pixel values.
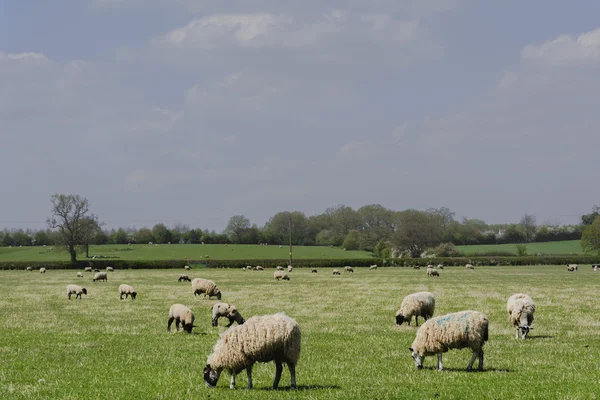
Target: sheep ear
(411, 349)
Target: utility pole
(290, 238)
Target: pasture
(562, 247)
(181, 252)
(104, 348)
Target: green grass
(563, 247)
(104, 348)
(181, 252)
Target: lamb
(127, 290)
(520, 308)
(228, 311)
(336, 272)
(109, 269)
(469, 266)
(572, 267)
(281, 275)
(184, 278)
(373, 267)
(80, 275)
(88, 269)
(432, 272)
(290, 268)
(451, 331)
(42, 270)
(261, 339)
(100, 276)
(186, 267)
(313, 271)
(348, 269)
(206, 287)
(76, 290)
(181, 315)
(420, 304)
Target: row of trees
(372, 227)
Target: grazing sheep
(336, 272)
(80, 275)
(281, 275)
(96, 270)
(243, 268)
(249, 267)
(520, 308)
(572, 267)
(279, 268)
(290, 268)
(181, 315)
(373, 267)
(313, 271)
(127, 290)
(261, 339)
(595, 267)
(184, 278)
(29, 269)
(42, 270)
(109, 269)
(186, 267)
(469, 266)
(76, 290)
(416, 267)
(451, 331)
(228, 311)
(206, 287)
(100, 276)
(88, 269)
(432, 272)
(259, 268)
(420, 304)
(440, 266)
(348, 269)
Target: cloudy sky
(195, 110)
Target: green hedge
(318, 263)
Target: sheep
(440, 266)
(88, 269)
(572, 267)
(281, 275)
(372, 267)
(96, 270)
(432, 272)
(279, 268)
(243, 268)
(109, 269)
(249, 267)
(100, 276)
(186, 267)
(259, 268)
(469, 266)
(29, 269)
(290, 268)
(416, 267)
(261, 339)
(127, 290)
(348, 269)
(336, 272)
(184, 278)
(42, 270)
(595, 267)
(206, 287)
(451, 331)
(80, 275)
(76, 290)
(416, 304)
(181, 315)
(228, 311)
(313, 271)
(520, 308)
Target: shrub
(446, 250)
(521, 250)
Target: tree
(588, 219)
(590, 238)
(415, 231)
(72, 220)
(352, 240)
(277, 230)
(161, 234)
(143, 236)
(528, 227)
(90, 229)
(236, 228)
(513, 234)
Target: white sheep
(348, 269)
(76, 290)
(184, 278)
(127, 290)
(261, 339)
(88, 269)
(290, 268)
(42, 270)
(520, 308)
(469, 266)
(259, 268)
(181, 315)
(281, 275)
(29, 269)
(100, 276)
(336, 272)
(572, 267)
(109, 269)
(373, 267)
(206, 287)
(440, 266)
(432, 272)
(420, 304)
(279, 268)
(228, 311)
(451, 331)
(80, 275)
(186, 267)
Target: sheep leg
(177, 321)
(417, 320)
(249, 373)
(470, 366)
(169, 325)
(517, 332)
(278, 370)
(69, 296)
(231, 320)
(439, 364)
(215, 321)
(232, 382)
(480, 367)
(292, 368)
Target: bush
(446, 250)
(352, 241)
(521, 250)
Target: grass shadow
(540, 337)
(303, 388)
(475, 370)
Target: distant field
(182, 252)
(564, 247)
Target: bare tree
(73, 222)
(528, 226)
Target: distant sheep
(80, 275)
(259, 268)
(109, 269)
(281, 275)
(432, 272)
(348, 269)
(451, 331)
(469, 266)
(440, 266)
(96, 270)
(181, 315)
(184, 278)
(186, 267)
(520, 308)
(42, 270)
(261, 339)
(290, 268)
(313, 271)
(100, 276)
(127, 290)
(420, 304)
(416, 267)
(205, 287)
(336, 272)
(29, 269)
(75, 290)
(572, 267)
(373, 267)
(88, 269)
(228, 311)
(279, 268)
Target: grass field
(563, 247)
(181, 252)
(104, 348)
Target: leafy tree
(143, 235)
(513, 234)
(521, 250)
(528, 227)
(237, 226)
(277, 229)
(20, 238)
(326, 238)
(382, 250)
(178, 232)
(42, 238)
(161, 234)
(590, 238)
(91, 228)
(376, 224)
(119, 236)
(416, 230)
(588, 219)
(352, 240)
(72, 220)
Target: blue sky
(195, 110)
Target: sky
(192, 111)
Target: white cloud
(565, 50)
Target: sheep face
(218, 294)
(211, 376)
(418, 358)
(399, 319)
(133, 294)
(524, 331)
(84, 290)
(187, 328)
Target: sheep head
(211, 376)
(399, 319)
(84, 290)
(133, 294)
(418, 358)
(218, 294)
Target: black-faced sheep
(572, 267)
(313, 271)
(181, 315)
(88, 269)
(348, 269)
(451, 331)
(184, 278)
(440, 266)
(261, 339)
(520, 308)
(279, 268)
(75, 290)
(290, 268)
(205, 287)
(110, 269)
(336, 272)
(420, 304)
(100, 276)
(127, 290)
(228, 311)
(432, 272)
(186, 267)
(42, 270)
(80, 275)
(259, 268)
(281, 275)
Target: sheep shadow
(474, 370)
(302, 388)
(540, 337)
